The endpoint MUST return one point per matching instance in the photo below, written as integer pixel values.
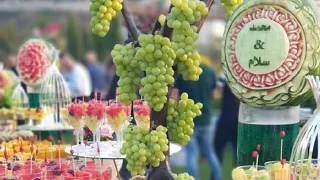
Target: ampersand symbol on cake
(259, 45)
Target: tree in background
(80, 39)
(9, 39)
(88, 39)
(104, 45)
(74, 38)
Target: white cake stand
(107, 152)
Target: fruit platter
(35, 160)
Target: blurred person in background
(96, 71)
(76, 76)
(10, 63)
(227, 128)
(109, 73)
(201, 91)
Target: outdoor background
(65, 23)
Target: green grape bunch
(128, 70)
(156, 59)
(103, 11)
(183, 176)
(230, 6)
(181, 19)
(142, 147)
(180, 118)
(188, 10)
(190, 68)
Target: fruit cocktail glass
(250, 172)
(94, 118)
(277, 171)
(74, 115)
(141, 113)
(117, 115)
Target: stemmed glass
(94, 118)
(117, 115)
(74, 115)
(141, 113)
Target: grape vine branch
(159, 118)
(131, 26)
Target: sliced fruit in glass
(116, 116)
(250, 172)
(75, 115)
(94, 118)
(277, 171)
(141, 113)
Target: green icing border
(297, 89)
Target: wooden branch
(166, 30)
(131, 26)
(209, 4)
(156, 27)
(159, 118)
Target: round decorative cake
(269, 46)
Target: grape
(230, 5)
(162, 19)
(102, 12)
(180, 118)
(156, 58)
(142, 147)
(128, 70)
(183, 176)
(181, 18)
(189, 67)
(189, 10)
